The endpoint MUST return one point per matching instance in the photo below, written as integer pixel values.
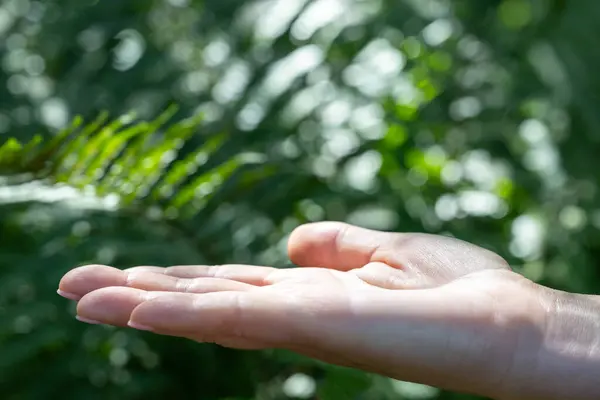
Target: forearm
(567, 363)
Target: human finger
(151, 281)
(249, 317)
(250, 274)
(114, 306)
(110, 305)
(82, 280)
(345, 247)
(336, 245)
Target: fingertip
(87, 320)
(335, 245)
(82, 280)
(69, 296)
(311, 244)
(139, 327)
(312, 229)
(111, 305)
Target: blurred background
(473, 118)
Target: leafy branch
(151, 169)
(139, 163)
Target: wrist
(566, 364)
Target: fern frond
(138, 161)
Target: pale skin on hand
(414, 307)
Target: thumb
(346, 247)
(337, 245)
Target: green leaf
(180, 170)
(9, 150)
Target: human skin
(414, 307)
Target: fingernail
(139, 327)
(88, 321)
(67, 295)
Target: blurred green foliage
(473, 118)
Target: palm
(383, 302)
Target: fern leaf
(137, 161)
(186, 167)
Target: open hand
(414, 307)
